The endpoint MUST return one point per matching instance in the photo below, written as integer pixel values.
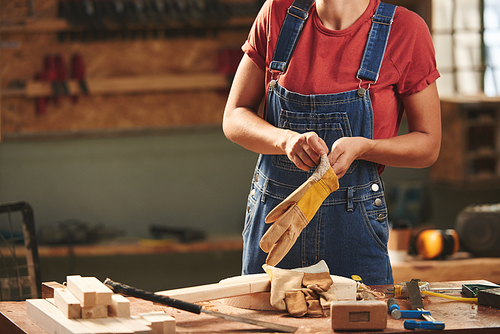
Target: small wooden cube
(358, 315)
(160, 322)
(120, 306)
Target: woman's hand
(345, 150)
(419, 148)
(305, 150)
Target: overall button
(377, 202)
(374, 187)
(256, 177)
(248, 208)
(381, 217)
(252, 193)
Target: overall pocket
(329, 126)
(375, 217)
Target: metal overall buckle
(274, 82)
(362, 91)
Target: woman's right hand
(305, 150)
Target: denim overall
(350, 230)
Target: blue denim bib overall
(350, 230)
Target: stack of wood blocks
(87, 306)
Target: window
(466, 35)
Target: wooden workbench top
(459, 317)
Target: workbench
(459, 317)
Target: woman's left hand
(345, 150)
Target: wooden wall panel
(22, 58)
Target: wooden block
(67, 303)
(97, 311)
(50, 319)
(82, 290)
(160, 322)
(358, 315)
(48, 289)
(114, 326)
(136, 325)
(120, 306)
(103, 293)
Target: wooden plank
(94, 326)
(120, 306)
(241, 285)
(136, 325)
(49, 318)
(161, 323)
(135, 84)
(103, 293)
(67, 303)
(82, 290)
(248, 285)
(114, 326)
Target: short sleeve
(414, 57)
(256, 44)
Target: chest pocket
(329, 126)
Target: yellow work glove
(296, 211)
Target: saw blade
(265, 324)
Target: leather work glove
(284, 281)
(303, 302)
(296, 211)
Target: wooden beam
(49, 318)
(67, 303)
(243, 285)
(120, 306)
(82, 290)
(103, 293)
(94, 312)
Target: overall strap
(296, 16)
(377, 42)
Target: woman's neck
(340, 14)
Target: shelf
(126, 85)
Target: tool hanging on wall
(50, 71)
(78, 72)
(41, 102)
(62, 75)
(93, 20)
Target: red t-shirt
(326, 61)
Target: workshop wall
(195, 179)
